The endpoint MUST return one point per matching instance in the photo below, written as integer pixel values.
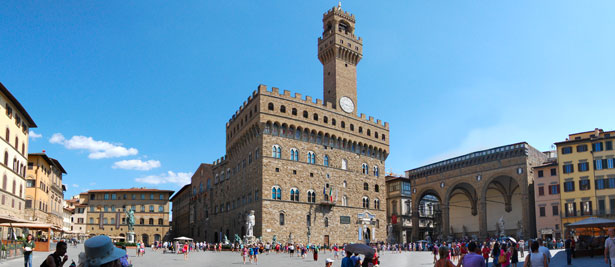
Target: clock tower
(339, 51)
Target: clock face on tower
(346, 104)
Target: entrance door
(145, 239)
(326, 241)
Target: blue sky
(134, 93)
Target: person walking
(535, 258)
(255, 248)
(609, 248)
(347, 261)
(28, 247)
(473, 258)
(486, 250)
(57, 258)
(514, 259)
(568, 248)
(495, 254)
(315, 253)
(244, 253)
(186, 248)
(544, 250)
(504, 259)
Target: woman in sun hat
(100, 251)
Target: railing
(597, 213)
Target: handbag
(502, 258)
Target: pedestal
(130, 237)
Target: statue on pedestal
(250, 222)
(275, 239)
(501, 226)
(520, 230)
(130, 219)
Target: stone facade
(106, 213)
(477, 189)
(181, 212)
(312, 171)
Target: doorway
(326, 241)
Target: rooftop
(18, 105)
(134, 189)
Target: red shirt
(486, 251)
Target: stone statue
(237, 239)
(275, 239)
(290, 238)
(520, 230)
(130, 219)
(390, 233)
(226, 240)
(250, 222)
(501, 226)
(464, 233)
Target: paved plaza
(206, 259)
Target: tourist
(329, 263)
(100, 251)
(57, 258)
(185, 249)
(434, 251)
(255, 248)
(514, 259)
(244, 253)
(315, 253)
(335, 251)
(444, 260)
(495, 254)
(473, 258)
(347, 261)
(291, 250)
(535, 258)
(521, 247)
(544, 250)
(609, 248)
(124, 259)
(504, 259)
(486, 250)
(28, 247)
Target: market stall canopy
(29, 225)
(7, 218)
(182, 238)
(592, 222)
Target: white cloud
(97, 149)
(136, 164)
(180, 178)
(34, 135)
(75, 185)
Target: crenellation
(371, 119)
(308, 99)
(362, 116)
(386, 125)
(329, 105)
(319, 102)
(286, 93)
(275, 90)
(379, 122)
(298, 96)
(261, 88)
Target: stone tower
(339, 51)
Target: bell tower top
(339, 51)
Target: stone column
(482, 217)
(446, 226)
(415, 221)
(525, 210)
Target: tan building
(78, 217)
(17, 123)
(106, 213)
(201, 185)
(476, 190)
(310, 169)
(587, 175)
(44, 191)
(399, 209)
(181, 212)
(547, 199)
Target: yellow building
(587, 175)
(44, 190)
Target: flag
(324, 190)
(331, 194)
(336, 191)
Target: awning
(29, 225)
(6, 218)
(592, 222)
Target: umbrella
(360, 249)
(512, 239)
(183, 238)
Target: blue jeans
(27, 259)
(487, 262)
(568, 256)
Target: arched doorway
(123, 237)
(427, 216)
(157, 237)
(462, 211)
(145, 239)
(502, 196)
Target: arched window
(376, 188)
(305, 114)
(141, 221)
(282, 109)
(298, 134)
(200, 187)
(364, 168)
(376, 134)
(281, 218)
(369, 133)
(294, 111)
(4, 181)
(294, 194)
(325, 161)
(270, 106)
(160, 222)
(8, 135)
(365, 186)
(14, 187)
(366, 202)
(105, 221)
(315, 116)
(352, 127)
(311, 158)
(151, 221)
(276, 151)
(326, 221)
(344, 164)
(276, 192)
(360, 129)
(343, 124)
(344, 184)
(325, 119)
(377, 204)
(311, 196)
(294, 154)
(376, 171)
(344, 201)
(6, 158)
(383, 137)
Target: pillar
(415, 221)
(482, 217)
(446, 226)
(527, 212)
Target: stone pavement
(207, 259)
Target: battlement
(338, 11)
(348, 35)
(219, 161)
(308, 100)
